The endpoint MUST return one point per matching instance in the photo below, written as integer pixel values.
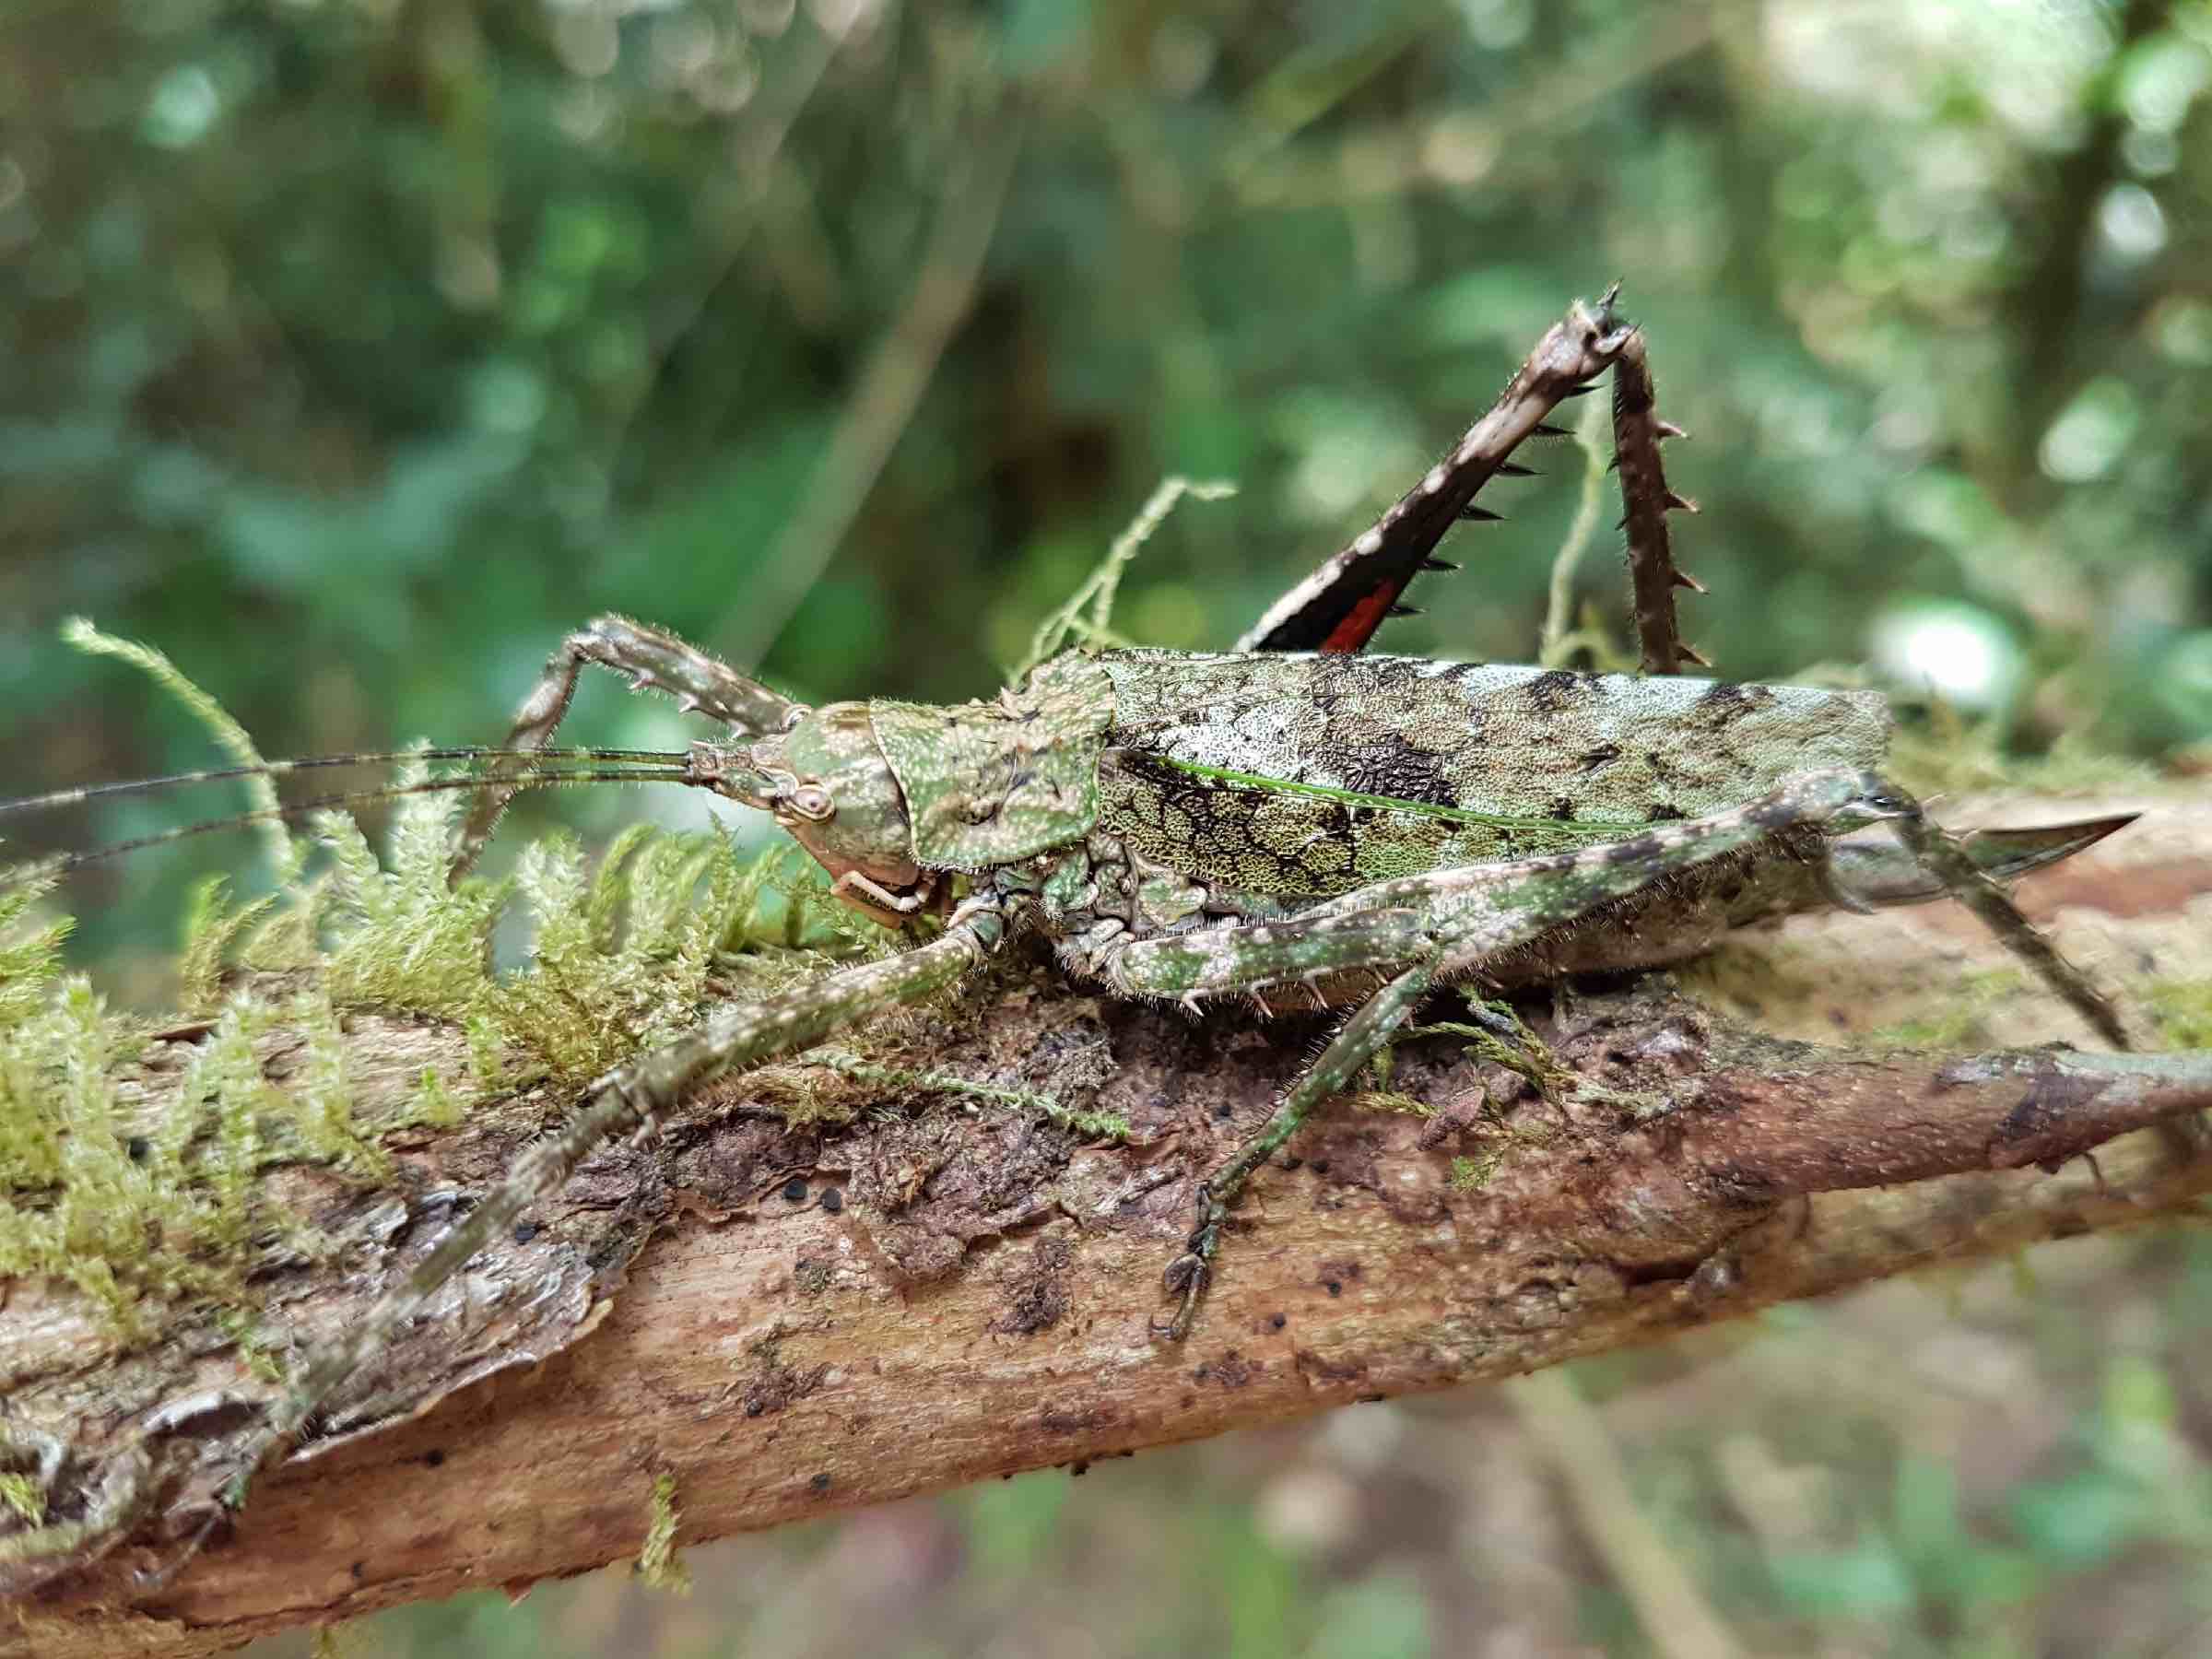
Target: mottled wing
(1507, 741)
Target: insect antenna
(61, 863)
(56, 799)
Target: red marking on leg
(1358, 625)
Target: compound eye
(811, 801)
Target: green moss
(137, 1196)
(1947, 753)
(1472, 1174)
(24, 1496)
(211, 929)
(657, 1564)
(1387, 1099)
(1957, 1018)
(2183, 1011)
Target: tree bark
(834, 1315)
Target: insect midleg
(1464, 915)
(652, 660)
(629, 1100)
(1356, 1044)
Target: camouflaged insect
(1291, 821)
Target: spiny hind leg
(653, 660)
(1340, 606)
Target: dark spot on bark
(777, 1385)
(1041, 1299)
(1088, 1421)
(137, 1147)
(1735, 1187)
(1334, 1286)
(434, 1457)
(1275, 1322)
(832, 1200)
(820, 1484)
(1604, 755)
(794, 1190)
(1318, 1370)
(524, 1231)
(2052, 1122)
(1231, 1371)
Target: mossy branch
(921, 1266)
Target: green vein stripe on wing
(1352, 797)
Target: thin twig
(1674, 1617)
(1557, 643)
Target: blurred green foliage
(357, 349)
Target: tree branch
(833, 1315)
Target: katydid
(1293, 823)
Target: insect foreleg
(629, 1100)
(653, 660)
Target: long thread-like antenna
(61, 863)
(56, 799)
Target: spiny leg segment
(652, 660)
(1341, 605)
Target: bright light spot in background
(1964, 655)
(2092, 433)
(2132, 222)
(2160, 79)
(1498, 25)
(183, 107)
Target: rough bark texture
(953, 1296)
